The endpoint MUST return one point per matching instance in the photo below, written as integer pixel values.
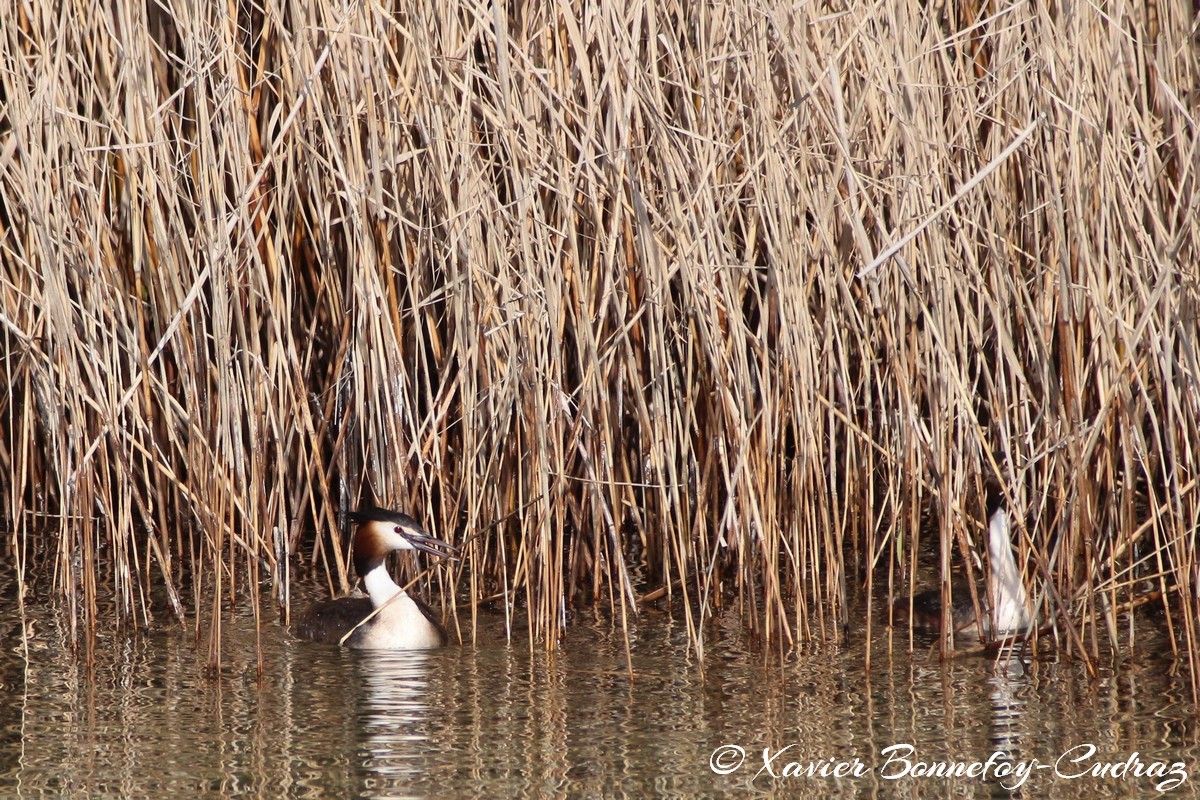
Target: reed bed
(706, 305)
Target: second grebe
(1008, 604)
(388, 618)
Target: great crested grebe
(397, 620)
(1008, 604)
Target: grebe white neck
(1006, 592)
(379, 584)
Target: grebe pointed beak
(428, 544)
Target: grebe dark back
(1008, 603)
(397, 620)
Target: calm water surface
(492, 719)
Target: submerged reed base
(637, 303)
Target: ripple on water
(492, 719)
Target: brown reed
(711, 304)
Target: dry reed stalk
(708, 303)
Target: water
(492, 719)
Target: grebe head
(382, 531)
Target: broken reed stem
(668, 301)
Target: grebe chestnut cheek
(388, 618)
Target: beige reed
(710, 305)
